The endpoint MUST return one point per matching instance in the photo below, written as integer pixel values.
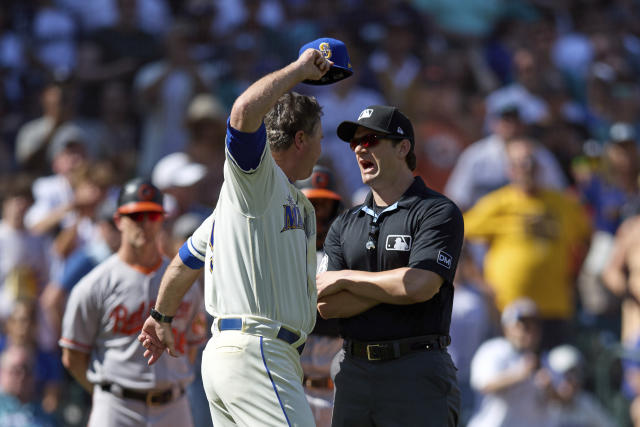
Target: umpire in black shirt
(389, 267)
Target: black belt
(389, 350)
(151, 398)
(235, 324)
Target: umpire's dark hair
(291, 113)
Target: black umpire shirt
(423, 229)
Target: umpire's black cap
(139, 195)
(381, 118)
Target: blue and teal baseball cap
(333, 50)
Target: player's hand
(330, 282)
(156, 337)
(313, 65)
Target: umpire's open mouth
(366, 166)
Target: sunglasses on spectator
(371, 140)
(139, 216)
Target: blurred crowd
(526, 114)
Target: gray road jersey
(104, 316)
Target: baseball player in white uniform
(104, 315)
(258, 251)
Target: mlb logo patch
(398, 242)
(444, 259)
(366, 113)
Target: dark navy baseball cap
(334, 50)
(381, 118)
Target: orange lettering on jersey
(119, 315)
(179, 340)
(128, 324)
(199, 325)
(183, 310)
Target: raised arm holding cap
(258, 251)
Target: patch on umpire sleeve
(398, 242)
(444, 259)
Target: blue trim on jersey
(193, 248)
(246, 148)
(273, 383)
(213, 227)
(189, 259)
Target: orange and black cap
(319, 185)
(139, 195)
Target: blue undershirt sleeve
(246, 148)
(189, 259)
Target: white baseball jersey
(105, 314)
(263, 262)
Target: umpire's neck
(388, 190)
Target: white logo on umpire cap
(366, 113)
(444, 259)
(400, 131)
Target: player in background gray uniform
(104, 315)
(259, 255)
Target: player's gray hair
(291, 113)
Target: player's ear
(299, 138)
(116, 220)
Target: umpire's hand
(312, 64)
(330, 282)
(156, 337)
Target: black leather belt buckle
(390, 350)
(376, 352)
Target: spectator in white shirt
(503, 371)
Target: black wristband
(159, 316)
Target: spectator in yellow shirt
(533, 235)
